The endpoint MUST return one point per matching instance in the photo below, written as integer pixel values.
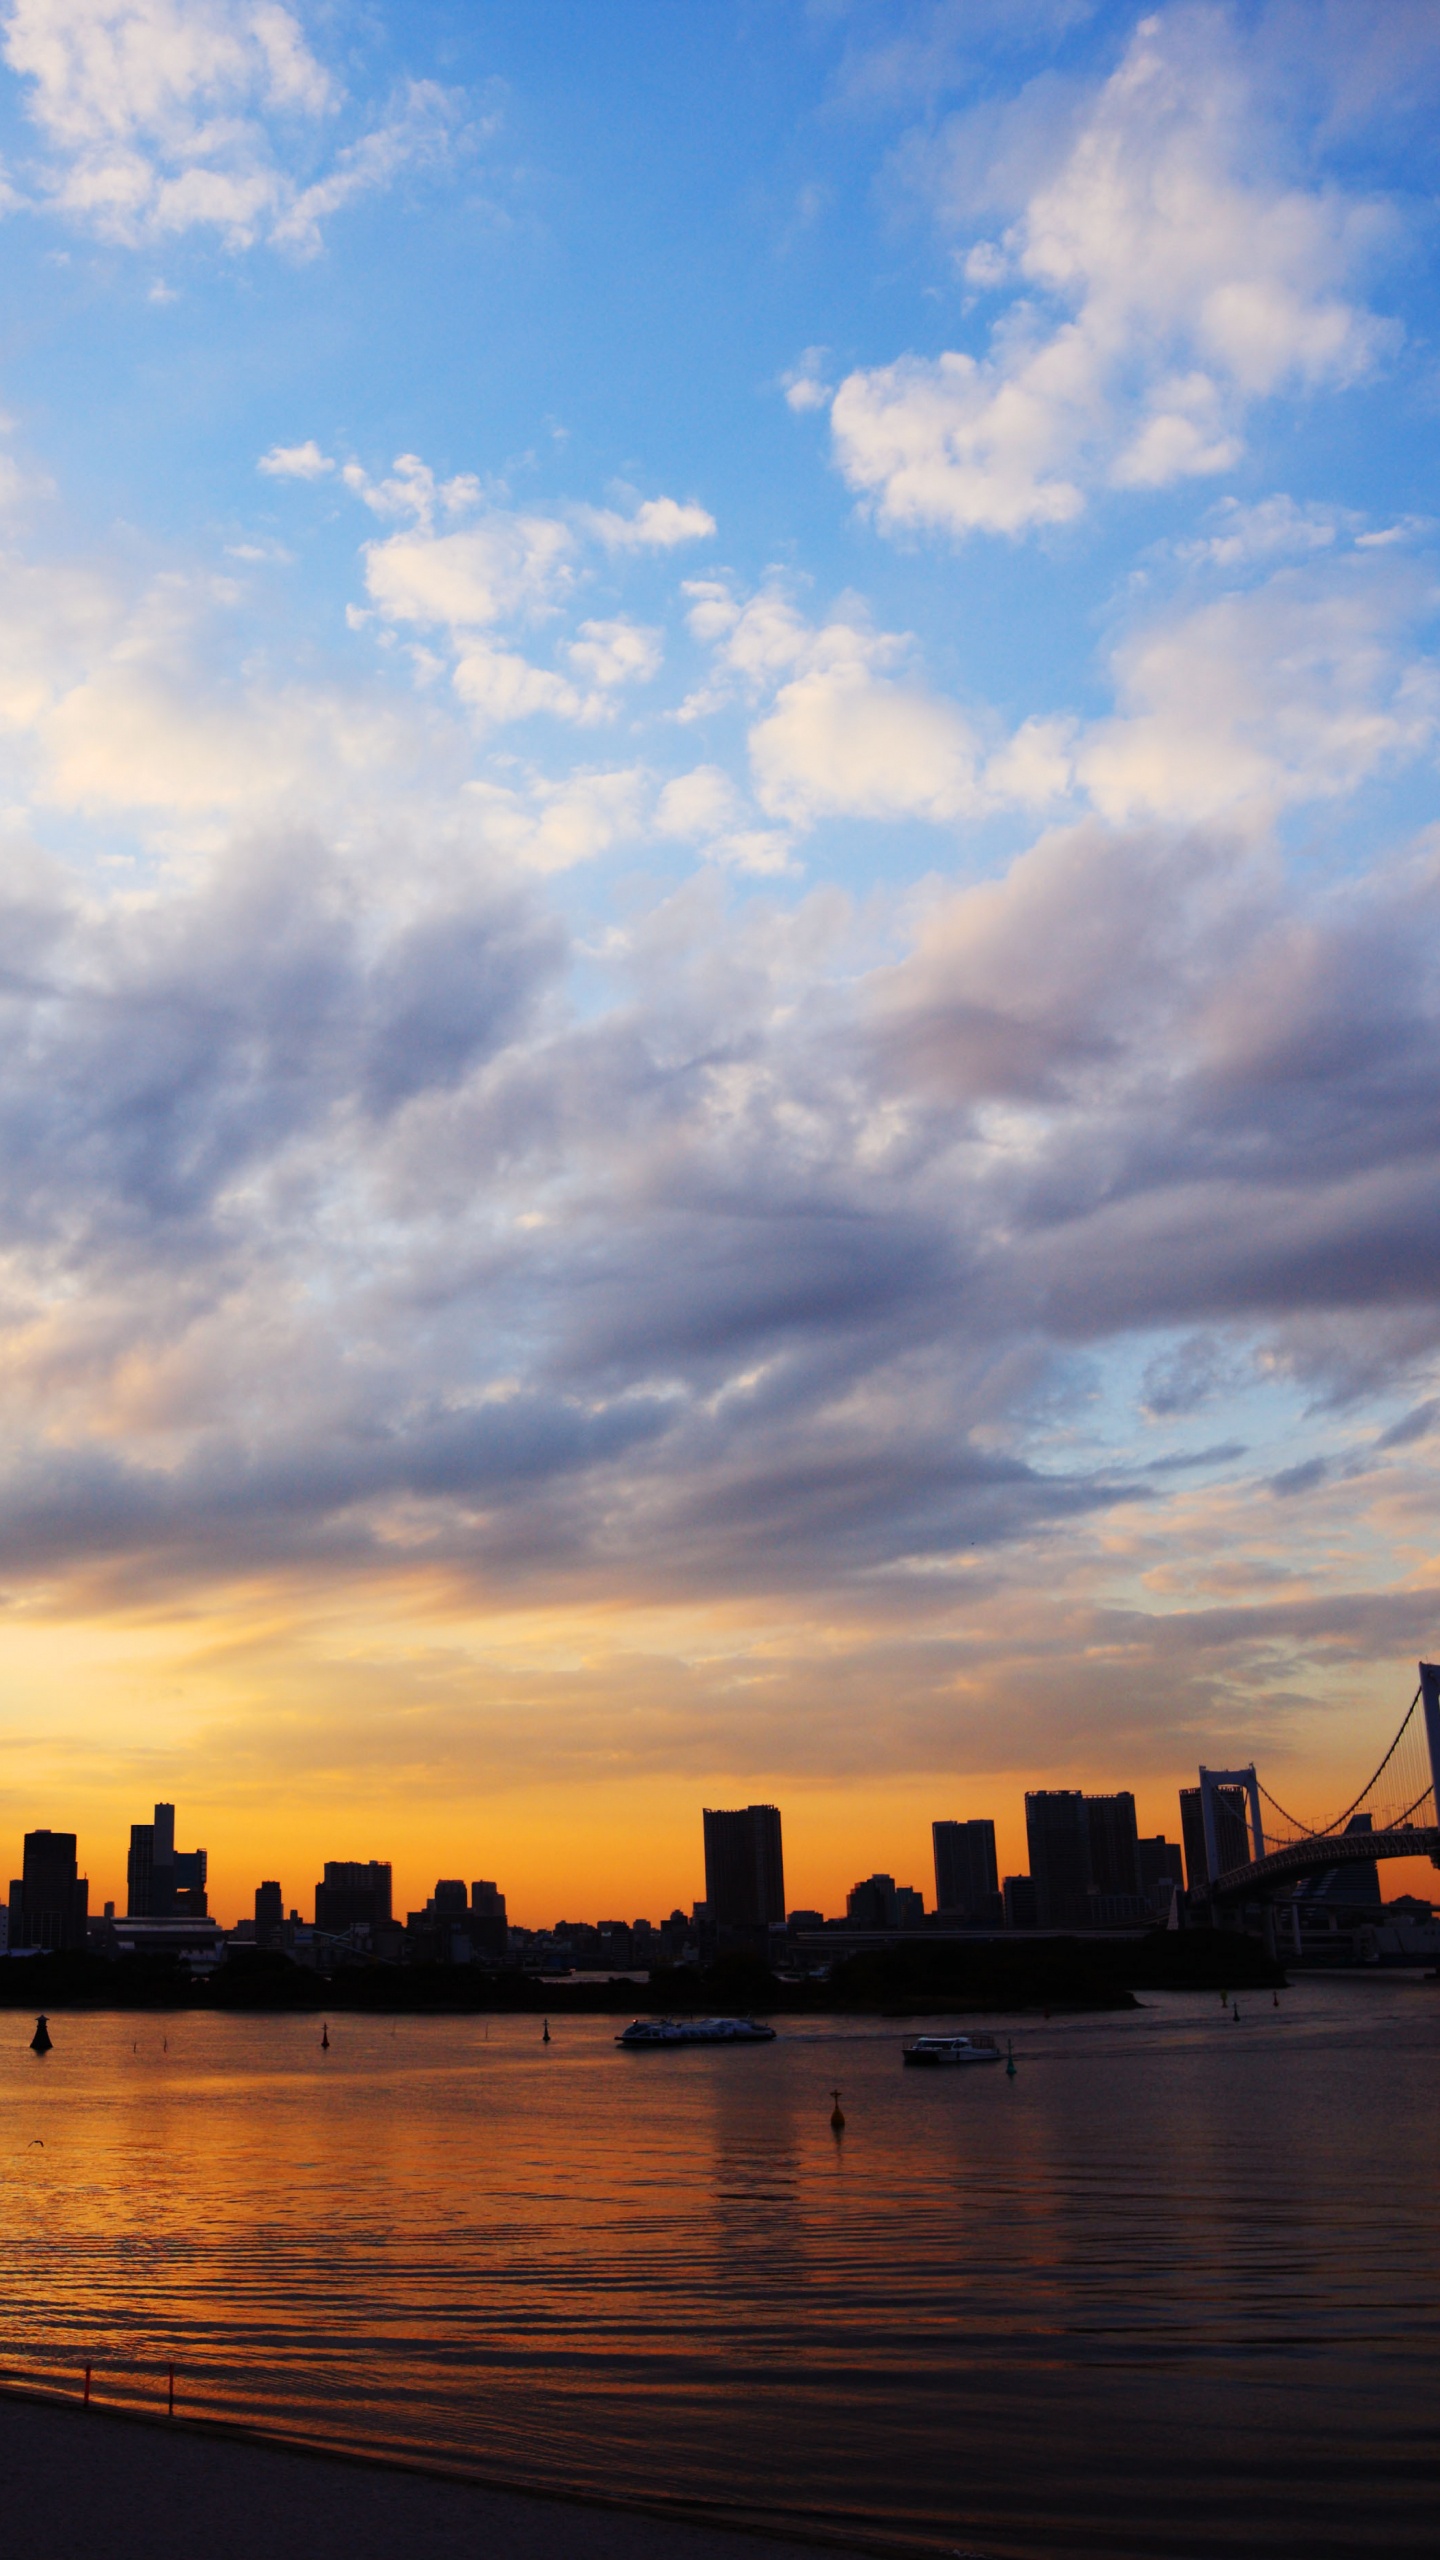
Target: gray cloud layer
(332, 1235)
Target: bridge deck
(1312, 1857)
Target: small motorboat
(643, 2033)
(930, 2052)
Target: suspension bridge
(1257, 1853)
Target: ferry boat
(933, 2051)
(671, 2031)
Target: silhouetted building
(881, 1903)
(1232, 1837)
(488, 1925)
(967, 1880)
(1022, 1903)
(355, 1894)
(269, 1914)
(744, 1868)
(1113, 1844)
(49, 1900)
(1161, 1874)
(163, 1882)
(1059, 1843)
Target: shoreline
(101, 2447)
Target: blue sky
(719, 729)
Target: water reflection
(1173, 2288)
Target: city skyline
(721, 895)
(735, 1869)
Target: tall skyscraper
(1161, 1871)
(744, 1867)
(1114, 1844)
(49, 1900)
(355, 1894)
(269, 1913)
(1058, 1835)
(489, 1929)
(967, 1879)
(163, 1882)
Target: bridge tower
(1212, 1779)
(1430, 1701)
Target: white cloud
(701, 803)
(505, 565)
(164, 116)
(1189, 287)
(1296, 692)
(295, 461)
(555, 825)
(610, 654)
(499, 685)
(659, 524)
(1265, 531)
(845, 740)
(805, 386)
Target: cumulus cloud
(505, 566)
(166, 116)
(295, 461)
(658, 524)
(1297, 691)
(1162, 287)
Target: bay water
(1174, 2289)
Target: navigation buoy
(1235, 2012)
(545, 2038)
(40, 2041)
(837, 2119)
(325, 2038)
(1009, 2059)
(1275, 1999)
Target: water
(1173, 2290)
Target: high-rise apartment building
(1059, 1840)
(880, 1903)
(355, 1894)
(163, 1882)
(967, 1879)
(744, 1868)
(1114, 1845)
(489, 1929)
(269, 1914)
(1162, 1873)
(49, 1899)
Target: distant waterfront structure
(355, 1893)
(489, 1929)
(1058, 1839)
(269, 1914)
(880, 1903)
(1112, 1837)
(49, 1899)
(1162, 1874)
(967, 1879)
(1022, 1905)
(163, 1882)
(744, 1868)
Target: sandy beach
(135, 2489)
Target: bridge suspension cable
(1308, 1831)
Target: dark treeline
(912, 1979)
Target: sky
(720, 1063)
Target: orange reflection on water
(1026, 2308)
